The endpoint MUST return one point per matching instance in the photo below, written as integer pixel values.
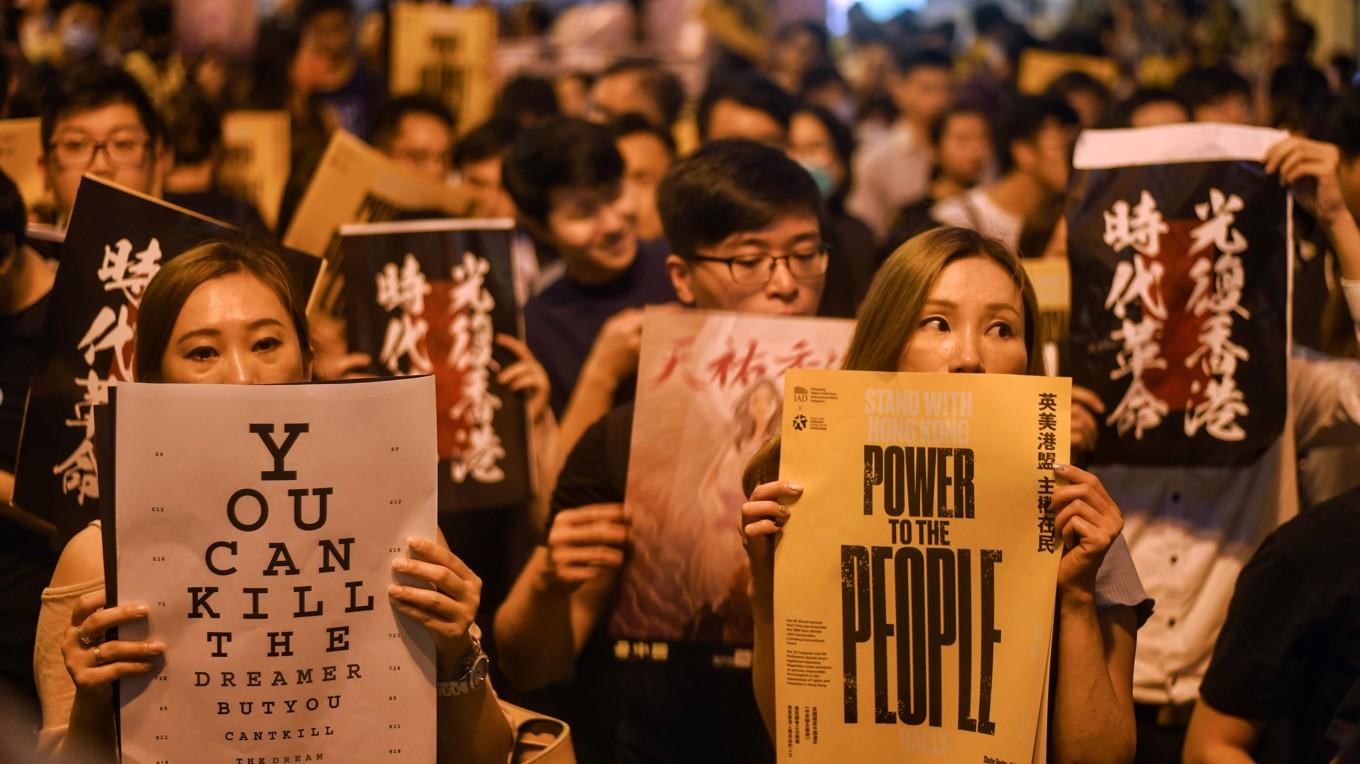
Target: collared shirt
(1191, 530)
(889, 174)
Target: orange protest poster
(257, 157)
(446, 52)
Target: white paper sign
(259, 525)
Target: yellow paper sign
(446, 52)
(257, 159)
(1039, 68)
(1052, 282)
(915, 579)
(20, 149)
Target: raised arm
(612, 359)
(1093, 700)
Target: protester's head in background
(823, 145)
(948, 300)
(478, 159)
(78, 26)
(326, 28)
(963, 146)
(631, 86)
(573, 93)
(417, 132)
(223, 313)
(922, 85)
(825, 87)
(747, 106)
(1299, 99)
(566, 179)
(743, 223)
(1342, 128)
(1087, 96)
(13, 230)
(798, 47)
(1149, 107)
(193, 128)
(1215, 94)
(526, 101)
(648, 152)
(97, 119)
(1036, 138)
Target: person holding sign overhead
(223, 313)
(952, 300)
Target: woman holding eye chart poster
(223, 313)
(952, 300)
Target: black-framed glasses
(79, 153)
(758, 270)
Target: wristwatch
(474, 676)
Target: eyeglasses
(79, 153)
(758, 270)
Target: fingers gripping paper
(915, 579)
(258, 524)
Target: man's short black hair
(528, 100)
(731, 186)
(1026, 117)
(908, 60)
(751, 90)
(93, 86)
(633, 123)
(193, 126)
(1074, 81)
(941, 122)
(1300, 97)
(819, 77)
(310, 9)
(388, 121)
(492, 138)
(559, 153)
(13, 214)
(1205, 85)
(657, 81)
(1340, 127)
(1122, 114)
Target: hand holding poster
(709, 392)
(915, 578)
(429, 297)
(1180, 251)
(258, 523)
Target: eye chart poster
(914, 582)
(259, 523)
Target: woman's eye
(1003, 330)
(936, 322)
(265, 344)
(203, 353)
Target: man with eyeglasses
(417, 131)
(742, 222)
(97, 119)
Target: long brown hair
(177, 279)
(893, 306)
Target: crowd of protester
(828, 177)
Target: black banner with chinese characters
(117, 241)
(429, 297)
(1179, 248)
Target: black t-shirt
(676, 711)
(562, 321)
(1290, 647)
(26, 560)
